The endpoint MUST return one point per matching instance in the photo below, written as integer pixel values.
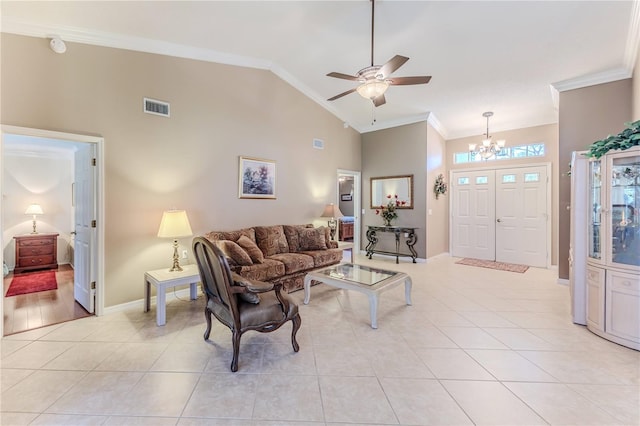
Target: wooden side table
(162, 279)
(36, 251)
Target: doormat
(32, 283)
(501, 266)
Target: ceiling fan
(375, 79)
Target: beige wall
(547, 134)
(437, 209)
(390, 152)
(416, 149)
(42, 178)
(188, 161)
(586, 115)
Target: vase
(387, 222)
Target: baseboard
(139, 304)
(563, 281)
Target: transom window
(521, 151)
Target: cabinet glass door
(595, 209)
(625, 208)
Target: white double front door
(501, 215)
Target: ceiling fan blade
(380, 100)
(342, 94)
(405, 81)
(342, 76)
(392, 65)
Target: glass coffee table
(370, 281)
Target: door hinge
(93, 285)
(93, 161)
(94, 223)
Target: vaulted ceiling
(506, 57)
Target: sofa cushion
(312, 239)
(291, 233)
(271, 240)
(294, 262)
(234, 253)
(325, 257)
(266, 271)
(231, 235)
(251, 248)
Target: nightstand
(36, 251)
(162, 279)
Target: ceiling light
(488, 148)
(373, 88)
(57, 45)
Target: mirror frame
(371, 182)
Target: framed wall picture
(346, 197)
(256, 178)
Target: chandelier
(488, 148)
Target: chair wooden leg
(236, 350)
(297, 321)
(207, 315)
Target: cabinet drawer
(35, 250)
(35, 242)
(25, 262)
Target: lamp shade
(174, 224)
(34, 209)
(331, 210)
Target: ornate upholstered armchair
(239, 303)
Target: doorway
(502, 215)
(67, 199)
(349, 197)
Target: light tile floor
(477, 346)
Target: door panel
(85, 233)
(472, 219)
(521, 216)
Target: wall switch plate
(184, 254)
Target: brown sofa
(279, 254)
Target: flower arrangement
(440, 186)
(388, 212)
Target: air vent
(152, 106)
(318, 144)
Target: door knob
(499, 220)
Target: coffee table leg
(307, 290)
(407, 290)
(373, 310)
(161, 305)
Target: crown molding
(437, 125)
(633, 37)
(140, 44)
(592, 79)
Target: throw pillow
(251, 248)
(312, 239)
(234, 253)
(271, 240)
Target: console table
(398, 231)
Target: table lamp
(34, 210)
(175, 224)
(332, 211)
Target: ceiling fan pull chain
(373, 115)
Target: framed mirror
(402, 186)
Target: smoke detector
(57, 45)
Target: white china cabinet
(606, 228)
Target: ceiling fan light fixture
(371, 89)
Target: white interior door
(85, 207)
(521, 216)
(473, 214)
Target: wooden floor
(28, 311)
